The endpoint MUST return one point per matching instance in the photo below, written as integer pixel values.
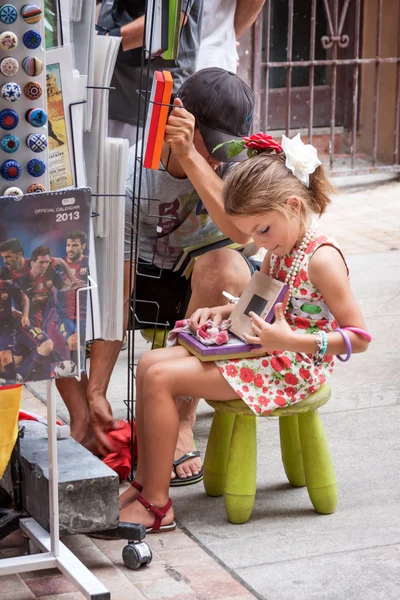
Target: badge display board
(44, 249)
(23, 106)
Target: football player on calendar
(40, 284)
(30, 342)
(10, 295)
(66, 306)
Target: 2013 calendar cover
(44, 255)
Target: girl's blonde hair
(263, 183)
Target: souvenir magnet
(8, 14)
(11, 92)
(32, 39)
(8, 41)
(9, 66)
(37, 142)
(13, 191)
(9, 119)
(36, 167)
(32, 66)
(10, 143)
(31, 13)
(10, 170)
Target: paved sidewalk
(286, 550)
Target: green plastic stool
(157, 337)
(231, 455)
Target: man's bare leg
(103, 356)
(73, 393)
(214, 272)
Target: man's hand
(25, 322)
(180, 130)
(102, 421)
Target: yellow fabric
(10, 400)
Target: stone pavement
(286, 550)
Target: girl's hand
(217, 314)
(277, 336)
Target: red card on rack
(166, 99)
(153, 116)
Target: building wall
(388, 79)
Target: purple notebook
(235, 348)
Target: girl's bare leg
(148, 359)
(162, 382)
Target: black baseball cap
(223, 105)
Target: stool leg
(291, 450)
(216, 458)
(317, 461)
(240, 488)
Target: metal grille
(331, 69)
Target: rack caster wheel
(136, 555)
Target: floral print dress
(283, 378)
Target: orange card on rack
(162, 120)
(153, 116)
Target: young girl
(276, 197)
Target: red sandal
(137, 486)
(159, 514)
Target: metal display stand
(55, 553)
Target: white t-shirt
(218, 39)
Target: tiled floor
(180, 569)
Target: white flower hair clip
(301, 159)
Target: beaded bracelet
(347, 342)
(322, 345)
(361, 332)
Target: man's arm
(25, 307)
(209, 187)
(60, 262)
(245, 15)
(132, 34)
(179, 135)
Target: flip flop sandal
(159, 514)
(178, 481)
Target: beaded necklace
(297, 257)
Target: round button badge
(36, 117)
(9, 119)
(34, 188)
(11, 92)
(31, 13)
(8, 14)
(8, 41)
(10, 170)
(33, 90)
(36, 167)
(9, 66)
(37, 142)
(32, 39)
(10, 143)
(13, 191)
(32, 66)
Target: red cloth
(120, 460)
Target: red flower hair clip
(254, 144)
(262, 141)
